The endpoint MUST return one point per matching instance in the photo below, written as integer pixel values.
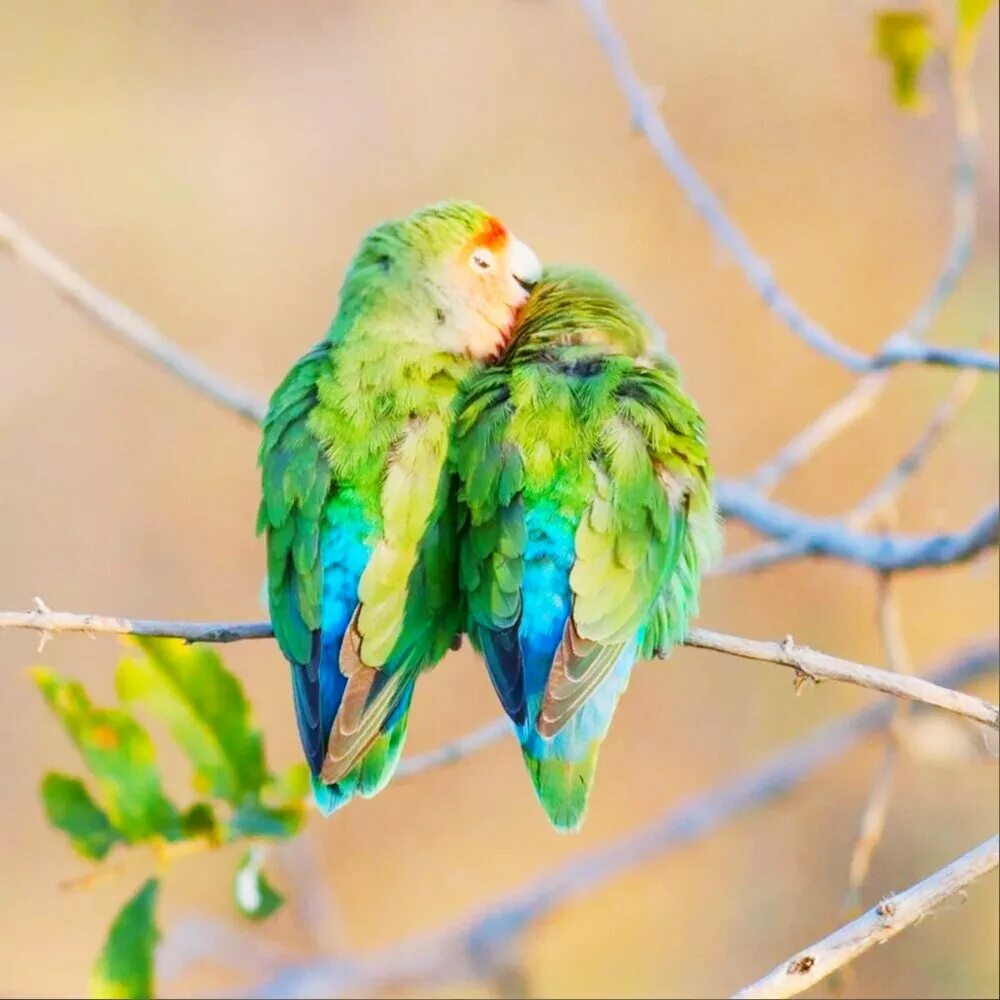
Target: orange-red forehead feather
(492, 235)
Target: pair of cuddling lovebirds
(480, 446)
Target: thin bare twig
(878, 925)
(846, 411)
(471, 947)
(872, 826)
(808, 663)
(859, 400)
(126, 326)
(897, 477)
(478, 739)
(825, 536)
(816, 666)
(46, 621)
(771, 553)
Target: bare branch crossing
(808, 662)
(878, 925)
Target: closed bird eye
(482, 259)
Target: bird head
(469, 271)
(574, 306)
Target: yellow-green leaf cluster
(904, 38)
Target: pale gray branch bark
(878, 925)
(123, 324)
(816, 666)
(806, 662)
(805, 534)
(771, 553)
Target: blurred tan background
(213, 165)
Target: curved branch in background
(126, 326)
(901, 345)
(808, 663)
(860, 399)
(474, 946)
(871, 829)
(464, 746)
(772, 553)
(915, 456)
(850, 408)
(822, 536)
(878, 925)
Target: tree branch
(878, 925)
(464, 746)
(821, 536)
(123, 324)
(48, 622)
(770, 553)
(872, 826)
(900, 346)
(907, 466)
(472, 947)
(818, 666)
(806, 662)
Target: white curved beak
(524, 264)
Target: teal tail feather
(374, 768)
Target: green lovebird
(357, 506)
(584, 487)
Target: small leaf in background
(200, 821)
(905, 40)
(70, 808)
(205, 708)
(254, 819)
(290, 787)
(255, 897)
(120, 755)
(970, 16)
(125, 966)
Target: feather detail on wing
(632, 540)
(578, 668)
(491, 471)
(296, 483)
(369, 698)
(404, 594)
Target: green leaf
(904, 39)
(255, 897)
(120, 755)
(254, 819)
(970, 16)
(204, 706)
(290, 787)
(125, 966)
(70, 808)
(200, 821)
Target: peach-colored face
(494, 274)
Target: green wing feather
(490, 467)
(636, 567)
(409, 608)
(296, 482)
